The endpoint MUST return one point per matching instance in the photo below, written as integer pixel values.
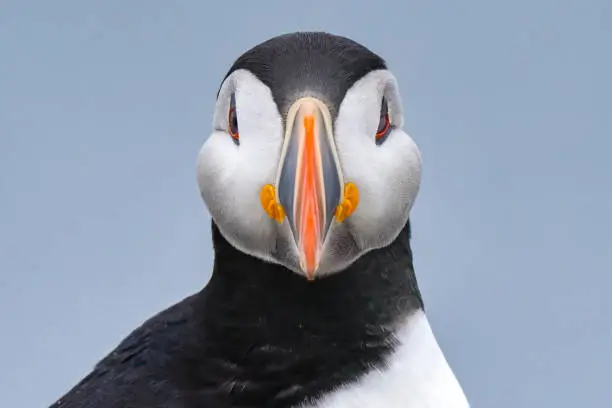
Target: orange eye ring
(232, 124)
(382, 132)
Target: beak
(309, 184)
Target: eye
(384, 124)
(232, 120)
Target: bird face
(308, 165)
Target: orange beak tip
(310, 275)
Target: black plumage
(259, 335)
(313, 63)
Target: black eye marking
(232, 120)
(384, 123)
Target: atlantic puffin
(309, 178)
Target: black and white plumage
(326, 317)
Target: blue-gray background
(104, 105)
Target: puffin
(309, 178)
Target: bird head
(308, 165)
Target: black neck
(367, 292)
(287, 339)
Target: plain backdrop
(105, 104)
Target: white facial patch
(231, 176)
(388, 175)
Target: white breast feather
(417, 376)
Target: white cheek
(230, 179)
(388, 178)
(231, 176)
(387, 175)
